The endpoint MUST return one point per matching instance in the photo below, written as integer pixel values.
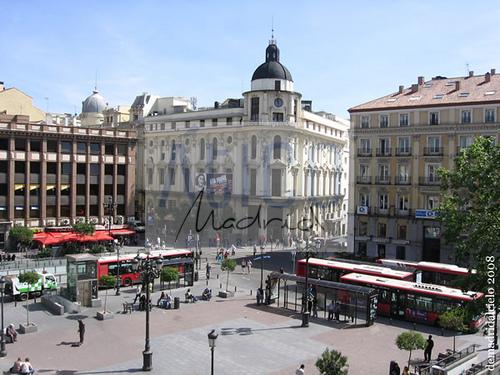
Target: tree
(169, 274)
(107, 281)
(84, 229)
(21, 235)
(30, 278)
(228, 265)
(410, 341)
(470, 214)
(332, 362)
(453, 320)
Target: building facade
(398, 142)
(58, 175)
(15, 102)
(265, 155)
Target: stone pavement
(252, 340)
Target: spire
(272, 41)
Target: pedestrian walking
(249, 266)
(315, 308)
(243, 265)
(300, 370)
(337, 310)
(138, 293)
(428, 349)
(208, 269)
(81, 330)
(254, 249)
(331, 310)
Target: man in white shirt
(300, 370)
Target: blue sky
(340, 54)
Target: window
(253, 151)
(277, 85)
(202, 123)
(66, 147)
(403, 119)
(383, 201)
(150, 176)
(364, 171)
(383, 172)
(404, 145)
(95, 169)
(162, 156)
(362, 249)
(403, 173)
(432, 202)
(20, 144)
(276, 182)
(278, 116)
(253, 182)
(229, 121)
(35, 146)
(403, 202)
(384, 147)
(402, 232)
(173, 152)
(365, 122)
(202, 149)
(109, 149)
(489, 115)
(431, 172)
(466, 116)
(95, 148)
(363, 228)
(400, 252)
(277, 147)
(173, 125)
(381, 250)
(364, 199)
(384, 121)
(465, 141)
(365, 145)
(214, 122)
(51, 146)
(434, 118)
(171, 174)
(187, 124)
(214, 149)
(381, 230)
(162, 126)
(81, 148)
(121, 150)
(162, 176)
(434, 144)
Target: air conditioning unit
(50, 222)
(64, 222)
(94, 220)
(119, 220)
(80, 219)
(19, 222)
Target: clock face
(278, 102)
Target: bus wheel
(23, 296)
(127, 282)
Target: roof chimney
(493, 71)
(457, 85)
(420, 80)
(487, 77)
(414, 88)
(401, 88)
(471, 73)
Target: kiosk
(82, 279)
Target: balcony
(384, 152)
(403, 213)
(403, 151)
(402, 180)
(433, 151)
(429, 180)
(364, 179)
(381, 211)
(364, 152)
(382, 180)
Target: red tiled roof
(438, 92)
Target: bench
(128, 307)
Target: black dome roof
(272, 68)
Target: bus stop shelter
(358, 304)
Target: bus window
(410, 301)
(112, 268)
(423, 303)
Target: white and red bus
(415, 302)
(430, 272)
(332, 270)
(182, 260)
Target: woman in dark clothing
(81, 330)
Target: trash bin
(177, 302)
(196, 276)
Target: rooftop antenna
(95, 87)
(272, 41)
(467, 68)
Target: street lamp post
(212, 337)
(308, 250)
(261, 266)
(3, 353)
(111, 206)
(150, 270)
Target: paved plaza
(252, 339)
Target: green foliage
(84, 228)
(228, 265)
(410, 341)
(169, 274)
(23, 235)
(332, 362)
(30, 277)
(97, 249)
(44, 253)
(454, 320)
(107, 281)
(470, 213)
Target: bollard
(217, 276)
(250, 291)
(206, 282)
(220, 286)
(235, 288)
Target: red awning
(57, 238)
(122, 232)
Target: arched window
(277, 147)
(173, 152)
(214, 149)
(253, 151)
(202, 149)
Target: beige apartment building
(398, 142)
(15, 102)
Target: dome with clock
(272, 74)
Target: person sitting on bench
(207, 294)
(165, 301)
(189, 296)
(11, 333)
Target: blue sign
(425, 214)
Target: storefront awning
(122, 232)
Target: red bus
(430, 272)
(415, 302)
(332, 270)
(182, 260)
